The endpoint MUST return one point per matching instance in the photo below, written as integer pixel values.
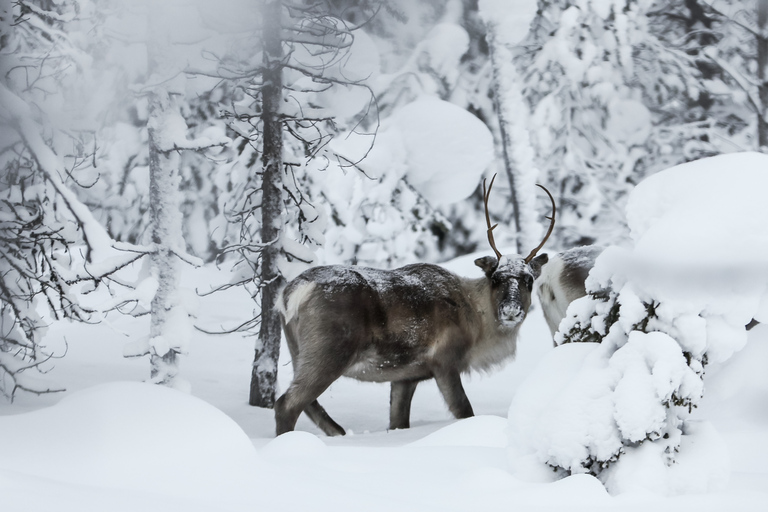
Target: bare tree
(264, 373)
(301, 46)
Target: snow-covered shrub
(680, 298)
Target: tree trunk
(762, 73)
(163, 181)
(264, 372)
(505, 146)
(517, 151)
(168, 331)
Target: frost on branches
(661, 311)
(52, 250)
(508, 24)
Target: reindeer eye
(528, 282)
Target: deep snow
(111, 445)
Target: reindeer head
(511, 277)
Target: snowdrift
(665, 310)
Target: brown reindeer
(402, 326)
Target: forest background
(139, 137)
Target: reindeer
(402, 326)
(562, 281)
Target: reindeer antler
(486, 195)
(551, 225)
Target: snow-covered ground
(110, 443)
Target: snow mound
(484, 431)
(701, 466)
(294, 445)
(131, 436)
(440, 148)
(576, 406)
(660, 312)
(710, 211)
(564, 411)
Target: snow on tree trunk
(507, 24)
(264, 372)
(169, 325)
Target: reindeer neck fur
(494, 343)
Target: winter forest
(167, 167)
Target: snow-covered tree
(736, 58)
(507, 24)
(167, 138)
(616, 92)
(661, 311)
(94, 155)
(52, 245)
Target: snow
(708, 211)
(354, 67)
(515, 16)
(440, 148)
(138, 425)
(507, 26)
(107, 444)
(443, 48)
(665, 310)
(629, 121)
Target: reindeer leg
(309, 382)
(321, 418)
(400, 396)
(302, 396)
(449, 384)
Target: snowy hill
(111, 445)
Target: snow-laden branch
(731, 17)
(745, 83)
(99, 245)
(51, 15)
(171, 135)
(505, 31)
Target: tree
(169, 327)
(167, 139)
(507, 24)
(53, 248)
(264, 373)
(739, 53)
(637, 346)
(282, 131)
(615, 94)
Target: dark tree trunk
(264, 372)
(762, 72)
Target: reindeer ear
(488, 264)
(536, 264)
